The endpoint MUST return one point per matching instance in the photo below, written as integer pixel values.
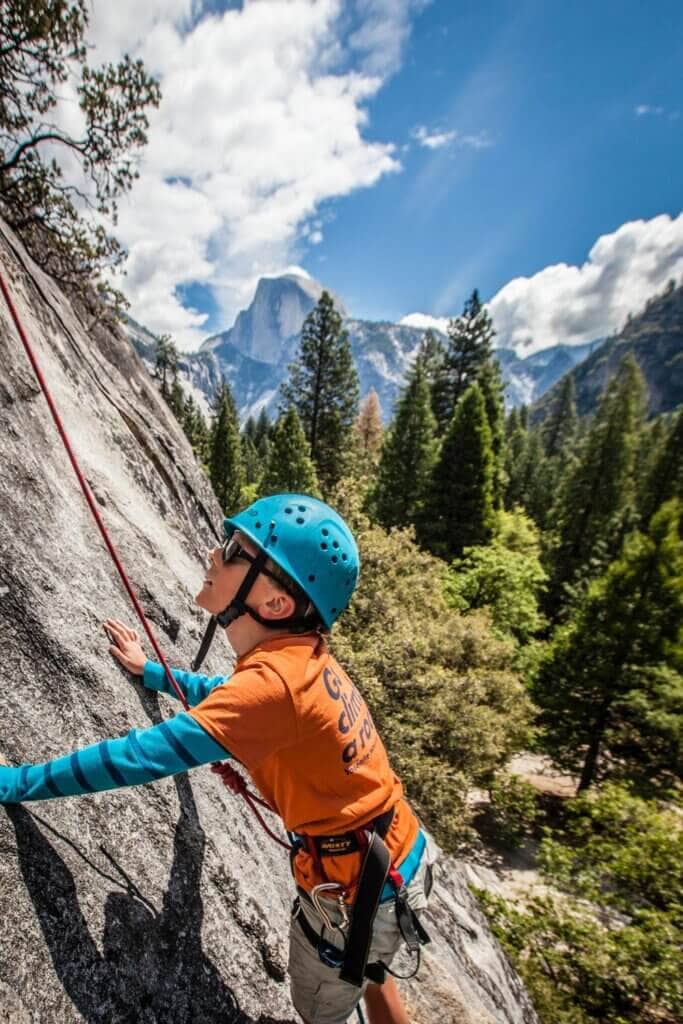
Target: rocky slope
(163, 904)
(655, 338)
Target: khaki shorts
(318, 993)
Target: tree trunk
(593, 752)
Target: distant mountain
(655, 337)
(254, 354)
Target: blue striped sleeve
(195, 687)
(144, 755)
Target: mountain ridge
(254, 354)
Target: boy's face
(222, 582)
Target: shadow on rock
(152, 969)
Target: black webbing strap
(372, 878)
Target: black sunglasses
(232, 550)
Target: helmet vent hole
(325, 532)
(334, 558)
(335, 543)
(333, 611)
(343, 558)
(300, 520)
(257, 525)
(323, 547)
(302, 508)
(273, 539)
(311, 579)
(288, 511)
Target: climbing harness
(352, 960)
(231, 778)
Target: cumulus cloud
(261, 121)
(384, 28)
(565, 304)
(425, 322)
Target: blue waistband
(407, 867)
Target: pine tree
(491, 384)
(176, 399)
(289, 466)
(407, 457)
(323, 388)
(596, 496)
(261, 429)
(612, 682)
(225, 455)
(470, 344)
(200, 437)
(559, 427)
(432, 355)
(459, 511)
(249, 428)
(516, 462)
(368, 431)
(665, 479)
(251, 460)
(165, 363)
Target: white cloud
(643, 109)
(259, 125)
(432, 140)
(437, 139)
(569, 305)
(384, 29)
(425, 322)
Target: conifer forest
(521, 593)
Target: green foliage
(41, 48)
(289, 467)
(665, 479)
(165, 363)
(491, 384)
(251, 460)
(611, 683)
(505, 576)
(470, 341)
(225, 454)
(196, 430)
(407, 457)
(560, 425)
(323, 388)
(439, 684)
(515, 810)
(459, 508)
(597, 493)
(619, 850)
(616, 958)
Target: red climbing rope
(236, 784)
(232, 779)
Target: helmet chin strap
(238, 606)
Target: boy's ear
(279, 605)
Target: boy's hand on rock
(125, 646)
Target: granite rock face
(163, 904)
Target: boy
(287, 570)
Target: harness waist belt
(350, 842)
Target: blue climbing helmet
(310, 542)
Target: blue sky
(555, 88)
(403, 152)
